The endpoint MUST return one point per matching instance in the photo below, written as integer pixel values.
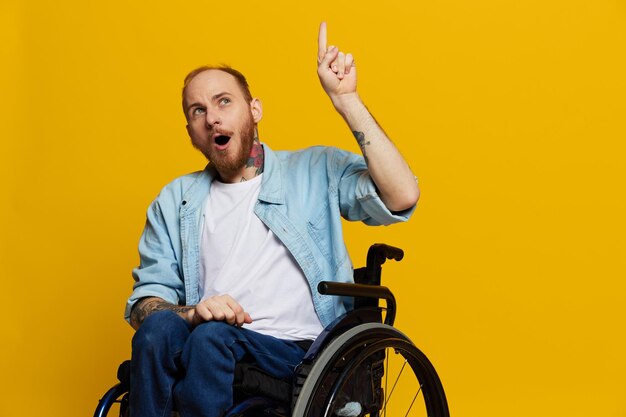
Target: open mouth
(222, 140)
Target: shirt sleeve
(358, 196)
(158, 273)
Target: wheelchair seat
(346, 370)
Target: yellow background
(510, 112)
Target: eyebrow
(219, 95)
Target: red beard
(226, 164)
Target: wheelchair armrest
(361, 290)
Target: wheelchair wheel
(371, 370)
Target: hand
(336, 70)
(219, 308)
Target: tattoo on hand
(150, 305)
(360, 138)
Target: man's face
(220, 122)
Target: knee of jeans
(213, 333)
(159, 328)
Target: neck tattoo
(256, 159)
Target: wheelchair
(360, 365)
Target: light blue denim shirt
(303, 196)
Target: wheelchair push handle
(378, 253)
(366, 288)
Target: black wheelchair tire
(352, 348)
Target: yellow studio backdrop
(510, 112)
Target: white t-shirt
(241, 257)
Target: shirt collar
(272, 190)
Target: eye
(225, 100)
(197, 111)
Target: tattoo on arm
(146, 306)
(360, 139)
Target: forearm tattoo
(146, 306)
(360, 139)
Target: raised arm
(337, 73)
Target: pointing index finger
(321, 42)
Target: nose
(212, 118)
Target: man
(231, 256)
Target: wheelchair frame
(357, 342)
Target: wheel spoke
(413, 402)
(388, 397)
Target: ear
(256, 108)
(188, 129)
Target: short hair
(239, 77)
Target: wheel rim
(325, 384)
(402, 381)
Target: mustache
(220, 131)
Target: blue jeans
(193, 368)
